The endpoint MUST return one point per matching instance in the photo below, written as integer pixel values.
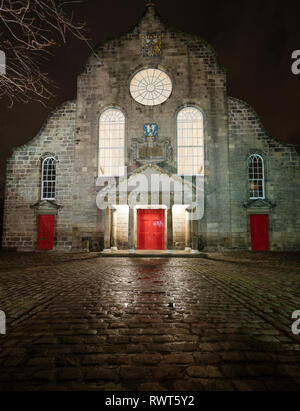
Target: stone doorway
(151, 229)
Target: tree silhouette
(28, 31)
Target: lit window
(190, 142)
(151, 87)
(256, 177)
(48, 178)
(111, 143)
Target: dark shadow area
(1, 220)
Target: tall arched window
(111, 143)
(256, 175)
(48, 178)
(190, 142)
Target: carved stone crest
(151, 44)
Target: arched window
(190, 142)
(256, 175)
(111, 143)
(48, 178)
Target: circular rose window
(151, 87)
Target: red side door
(150, 229)
(259, 232)
(46, 232)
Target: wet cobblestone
(82, 322)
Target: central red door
(150, 229)
(259, 232)
(46, 232)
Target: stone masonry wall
(197, 80)
(232, 131)
(282, 179)
(23, 182)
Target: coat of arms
(150, 131)
(151, 45)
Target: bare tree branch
(28, 30)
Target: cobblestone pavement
(82, 322)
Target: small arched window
(256, 176)
(111, 143)
(48, 178)
(190, 142)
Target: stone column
(107, 231)
(195, 237)
(100, 228)
(188, 238)
(170, 229)
(131, 230)
(113, 237)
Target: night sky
(254, 40)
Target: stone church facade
(152, 103)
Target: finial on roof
(150, 3)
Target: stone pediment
(150, 170)
(46, 207)
(259, 206)
(149, 179)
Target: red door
(46, 232)
(259, 232)
(151, 229)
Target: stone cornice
(259, 206)
(46, 207)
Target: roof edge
(169, 27)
